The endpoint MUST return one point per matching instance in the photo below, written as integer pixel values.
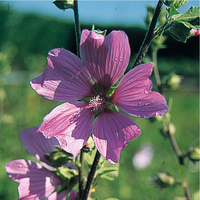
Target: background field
(24, 43)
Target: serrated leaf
(188, 16)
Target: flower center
(97, 104)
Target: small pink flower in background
(35, 181)
(143, 157)
(68, 78)
(196, 32)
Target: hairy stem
(91, 175)
(149, 35)
(77, 27)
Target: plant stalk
(149, 36)
(77, 27)
(81, 176)
(91, 175)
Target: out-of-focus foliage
(27, 38)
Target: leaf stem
(77, 27)
(91, 175)
(149, 36)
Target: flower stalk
(91, 175)
(81, 175)
(149, 36)
(77, 27)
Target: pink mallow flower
(67, 78)
(35, 181)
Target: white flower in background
(142, 158)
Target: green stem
(172, 139)
(91, 175)
(77, 27)
(81, 176)
(150, 35)
(156, 71)
(186, 189)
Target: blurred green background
(25, 40)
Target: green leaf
(108, 171)
(192, 15)
(180, 32)
(67, 173)
(183, 23)
(176, 3)
(172, 10)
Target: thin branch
(91, 175)
(149, 35)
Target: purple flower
(68, 78)
(35, 181)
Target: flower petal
(35, 182)
(111, 133)
(106, 58)
(36, 144)
(64, 78)
(58, 196)
(71, 124)
(133, 94)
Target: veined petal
(35, 182)
(111, 133)
(105, 57)
(133, 94)
(58, 196)
(64, 79)
(71, 124)
(36, 144)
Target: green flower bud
(89, 145)
(64, 4)
(162, 180)
(194, 155)
(172, 81)
(155, 119)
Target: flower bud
(162, 180)
(64, 4)
(89, 145)
(194, 155)
(195, 32)
(172, 81)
